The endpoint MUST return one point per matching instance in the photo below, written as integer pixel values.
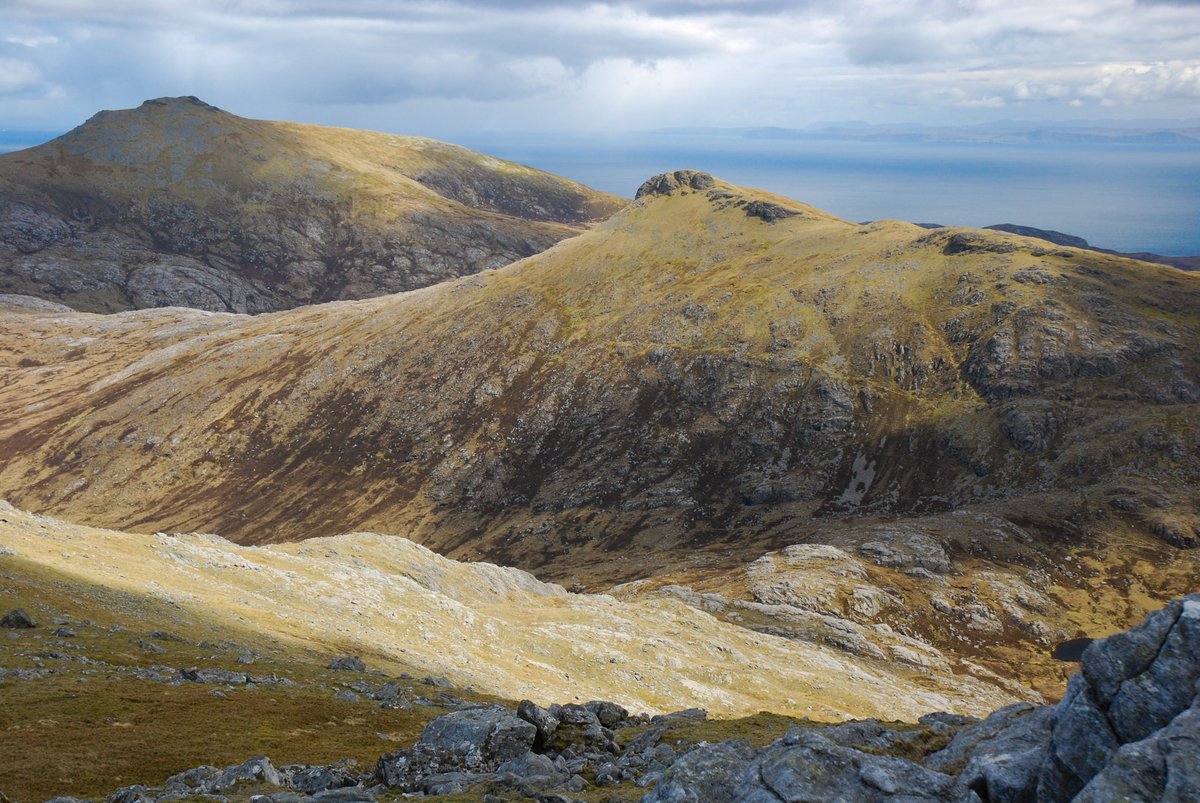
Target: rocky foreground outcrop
(1127, 729)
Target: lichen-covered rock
(1005, 766)
(710, 774)
(668, 183)
(496, 734)
(258, 769)
(807, 766)
(610, 715)
(1164, 766)
(348, 663)
(1131, 686)
(474, 741)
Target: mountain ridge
(704, 381)
(179, 202)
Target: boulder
(541, 719)
(219, 677)
(131, 794)
(311, 780)
(534, 770)
(572, 714)
(16, 619)
(348, 663)
(806, 766)
(709, 774)
(406, 769)
(258, 769)
(496, 734)
(475, 741)
(610, 715)
(195, 779)
(1130, 688)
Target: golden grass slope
(498, 630)
(682, 374)
(672, 395)
(178, 202)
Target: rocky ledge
(669, 183)
(685, 181)
(1128, 728)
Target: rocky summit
(178, 203)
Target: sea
(1121, 197)
(1124, 197)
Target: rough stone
(709, 774)
(541, 719)
(814, 768)
(669, 183)
(1130, 686)
(609, 714)
(17, 618)
(258, 769)
(1165, 766)
(348, 663)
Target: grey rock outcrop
(1001, 756)
(541, 719)
(348, 663)
(473, 741)
(1127, 729)
(17, 619)
(1132, 687)
(669, 183)
(711, 774)
(1165, 766)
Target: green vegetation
(88, 729)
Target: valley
(712, 449)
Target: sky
(545, 65)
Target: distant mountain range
(1187, 134)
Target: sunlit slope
(178, 202)
(684, 372)
(498, 630)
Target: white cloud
(556, 64)
(18, 77)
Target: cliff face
(178, 203)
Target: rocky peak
(183, 102)
(668, 183)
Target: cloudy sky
(544, 65)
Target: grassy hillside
(180, 203)
(710, 375)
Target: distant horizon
(1124, 197)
